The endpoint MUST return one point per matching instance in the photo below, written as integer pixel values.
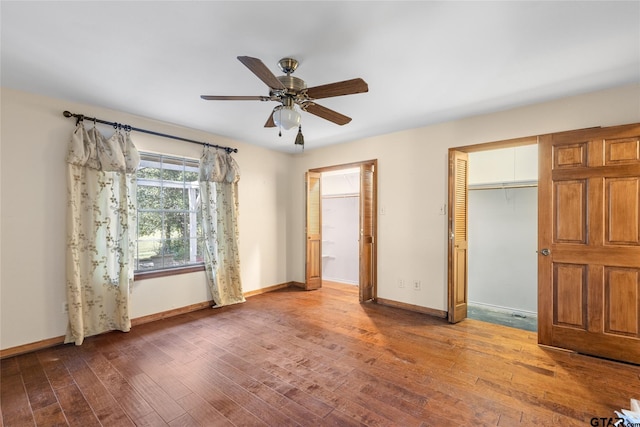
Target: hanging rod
(340, 196)
(116, 125)
(503, 186)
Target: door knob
(545, 252)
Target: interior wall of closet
(503, 228)
(340, 225)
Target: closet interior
(340, 191)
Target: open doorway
(503, 235)
(340, 222)
(321, 250)
(488, 258)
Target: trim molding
(52, 342)
(170, 313)
(267, 289)
(410, 307)
(142, 275)
(494, 145)
(28, 348)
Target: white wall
(34, 139)
(503, 236)
(412, 183)
(412, 173)
(504, 165)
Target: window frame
(142, 274)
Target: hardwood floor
(313, 358)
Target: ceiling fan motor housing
(293, 84)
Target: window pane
(174, 225)
(199, 231)
(148, 196)
(200, 254)
(181, 251)
(149, 226)
(147, 249)
(173, 176)
(173, 170)
(163, 258)
(191, 194)
(191, 175)
(175, 198)
(150, 167)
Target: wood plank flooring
(318, 358)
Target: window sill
(142, 275)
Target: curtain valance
(219, 166)
(91, 149)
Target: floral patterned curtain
(219, 175)
(101, 225)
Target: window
(169, 234)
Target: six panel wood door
(367, 232)
(589, 222)
(458, 236)
(313, 269)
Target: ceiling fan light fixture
(286, 117)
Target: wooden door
(367, 242)
(589, 242)
(313, 265)
(458, 235)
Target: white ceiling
(425, 61)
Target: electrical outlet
(65, 307)
(416, 285)
(383, 211)
(443, 209)
(400, 283)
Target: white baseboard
(339, 280)
(502, 309)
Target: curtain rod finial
(67, 114)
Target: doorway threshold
(503, 317)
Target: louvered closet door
(458, 231)
(367, 232)
(589, 242)
(313, 265)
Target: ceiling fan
(290, 91)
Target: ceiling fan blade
(234, 98)
(258, 68)
(347, 87)
(327, 114)
(270, 123)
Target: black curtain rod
(116, 125)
